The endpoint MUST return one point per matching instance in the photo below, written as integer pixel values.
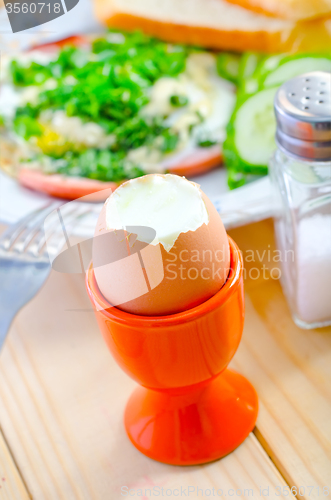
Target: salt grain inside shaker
(301, 175)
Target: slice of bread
(215, 24)
(295, 10)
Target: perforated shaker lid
(303, 113)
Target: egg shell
(194, 269)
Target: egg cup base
(194, 428)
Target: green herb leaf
(206, 143)
(27, 127)
(178, 100)
(170, 141)
(98, 164)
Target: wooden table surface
(62, 399)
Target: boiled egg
(176, 250)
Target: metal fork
(25, 260)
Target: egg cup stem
(190, 409)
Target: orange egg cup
(190, 408)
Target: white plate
(244, 205)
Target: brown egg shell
(194, 269)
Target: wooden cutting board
(62, 399)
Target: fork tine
(14, 231)
(37, 229)
(40, 241)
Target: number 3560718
(302, 491)
(18, 7)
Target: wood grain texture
(64, 398)
(11, 484)
(291, 370)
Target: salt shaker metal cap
(303, 113)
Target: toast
(295, 10)
(215, 24)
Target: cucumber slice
(251, 131)
(248, 64)
(248, 87)
(250, 139)
(290, 67)
(247, 67)
(228, 66)
(264, 66)
(236, 179)
(255, 128)
(269, 64)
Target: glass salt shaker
(300, 171)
